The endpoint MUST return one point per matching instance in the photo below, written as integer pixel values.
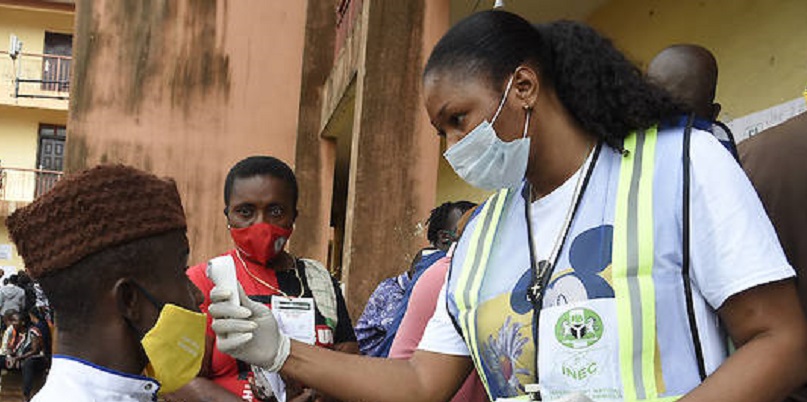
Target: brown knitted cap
(92, 210)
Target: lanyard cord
(542, 271)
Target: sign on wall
(749, 125)
(5, 252)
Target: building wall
(759, 44)
(15, 263)
(19, 128)
(186, 89)
(29, 25)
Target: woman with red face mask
(260, 197)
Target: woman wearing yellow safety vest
(626, 248)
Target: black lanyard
(542, 271)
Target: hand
(247, 332)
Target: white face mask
(484, 161)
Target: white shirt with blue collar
(75, 380)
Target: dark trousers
(33, 368)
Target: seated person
(108, 247)
(8, 332)
(28, 350)
(17, 331)
(260, 204)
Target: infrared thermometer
(221, 270)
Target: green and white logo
(578, 328)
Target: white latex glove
(247, 332)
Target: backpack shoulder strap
(685, 269)
(321, 284)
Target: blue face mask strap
(504, 99)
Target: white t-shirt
(731, 235)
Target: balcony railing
(25, 185)
(38, 75)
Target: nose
(452, 139)
(259, 217)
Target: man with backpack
(689, 73)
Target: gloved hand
(247, 332)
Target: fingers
(242, 294)
(231, 326)
(233, 342)
(225, 310)
(219, 294)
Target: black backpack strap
(693, 325)
(729, 134)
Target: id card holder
(295, 317)
(534, 391)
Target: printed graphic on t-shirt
(509, 353)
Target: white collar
(103, 378)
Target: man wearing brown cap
(108, 247)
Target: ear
(716, 108)
(526, 86)
(127, 298)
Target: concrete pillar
(315, 155)
(393, 172)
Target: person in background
(108, 247)
(15, 334)
(583, 253)
(689, 73)
(12, 296)
(8, 333)
(260, 205)
(776, 162)
(384, 310)
(28, 350)
(27, 285)
(422, 305)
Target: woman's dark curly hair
(606, 93)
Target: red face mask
(260, 242)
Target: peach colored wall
(185, 89)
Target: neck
(123, 355)
(283, 262)
(558, 150)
